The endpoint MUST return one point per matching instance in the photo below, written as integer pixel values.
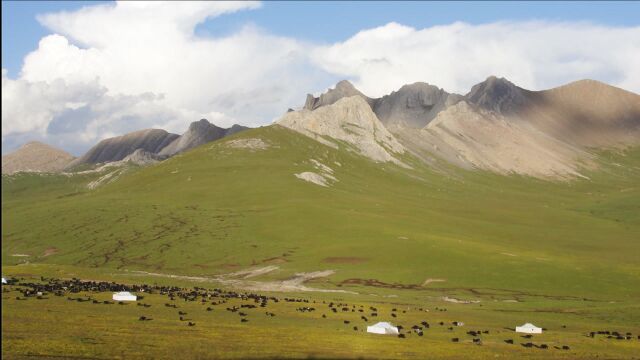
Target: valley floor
(64, 327)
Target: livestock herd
(216, 298)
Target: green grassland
(565, 251)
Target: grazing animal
(401, 336)
(393, 315)
(455, 340)
(565, 347)
(243, 320)
(191, 323)
(355, 328)
(347, 321)
(509, 341)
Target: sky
(74, 73)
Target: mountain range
(497, 126)
(501, 188)
(140, 147)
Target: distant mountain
(499, 126)
(550, 134)
(199, 132)
(498, 95)
(586, 113)
(35, 157)
(151, 145)
(119, 147)
(413, 105)
(349, 120)
(343, 89)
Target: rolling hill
(230, 205)
(35, 157)
(333, 205)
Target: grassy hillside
(217, 209)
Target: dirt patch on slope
(240, 280)
(430, 280)
(251, 144)
(50, 251)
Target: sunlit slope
(220, 208)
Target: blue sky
(328, 21)
(102, 69)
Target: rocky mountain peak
(342, 89)
(497, 94)
(413, 105)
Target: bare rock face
(348, 120)
(499, 95)
(472, 137)
(35, 157)
(545, 134)
(119, 147)
(142, 157)
(497, 126)
(199, 132)
(413, 105)
(343, 89)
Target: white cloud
(73, 115)
(535, 55)
(127, 49)
(110, 69)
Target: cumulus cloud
(76, 114)
(535, 55)
(145, 67)
(109, 69)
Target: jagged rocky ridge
(497, 126)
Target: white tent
(124, 296)
(528, 328)
(4, 281)
(382, 328)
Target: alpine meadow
(501, 222)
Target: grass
(57, 327)
(215, 210)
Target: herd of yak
(214, 297)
